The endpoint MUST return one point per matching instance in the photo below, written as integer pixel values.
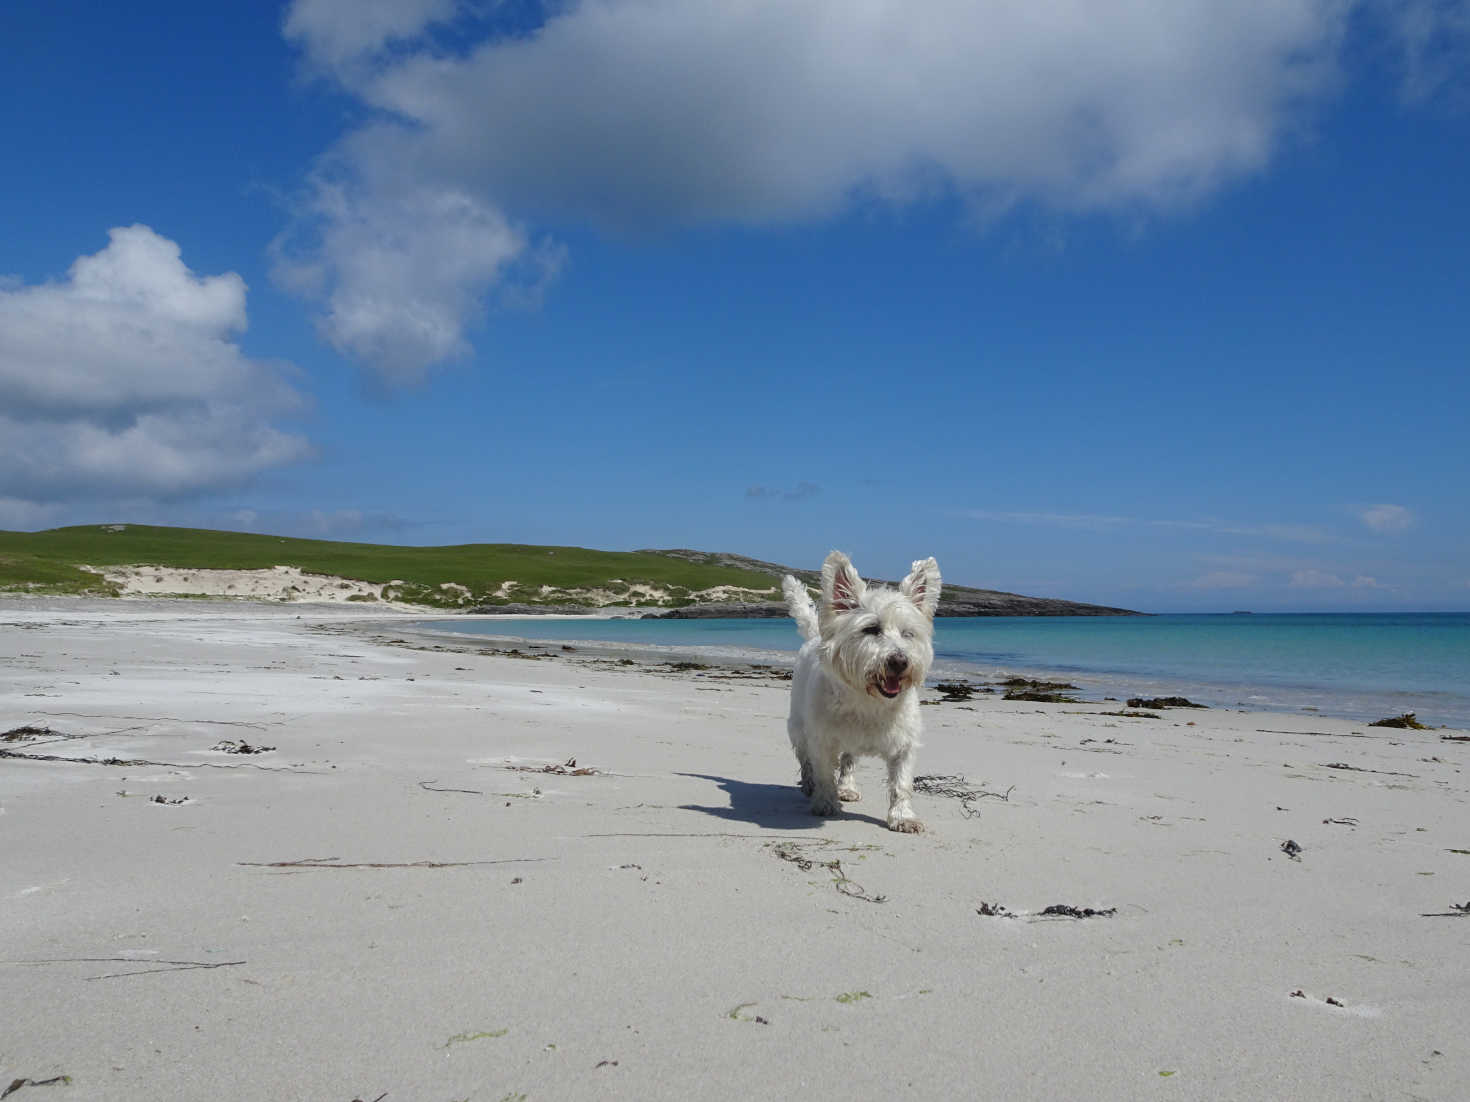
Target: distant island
(135, 560)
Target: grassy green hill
(51, 561)
(461, 577)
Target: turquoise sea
(1358, 666)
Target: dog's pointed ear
(842, 589)
(922, 585)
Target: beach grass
(50, 562)
(23, 572)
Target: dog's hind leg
(900, 791)
(847, 790)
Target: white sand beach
(462, 874)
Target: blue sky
(1163, 304)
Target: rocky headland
(956, 600)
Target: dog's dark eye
(873, 629)
(908, 634)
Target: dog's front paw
(848, 794)
(808, 783)
(906, 826)
(826, 807)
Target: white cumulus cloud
(340, 32)
(658, 114)
(125, 379)
(651, 114)
(400, 268)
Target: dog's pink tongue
(891, 685)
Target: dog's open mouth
(890, 685)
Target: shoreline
(1354, 704)
(1361, 706)
(454, 872)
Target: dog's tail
(799, 602)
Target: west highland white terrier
(856, 688)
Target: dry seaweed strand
(1405, 722)
(1066, 910)
(955, 692)
(791, 851)
(231, 746)
(1457, 910)
(29, 731)
(1056, 910)
(21, 755)
(1329, 1000)
(567, 768)
(337, 863)
(956, 787)
(78, 761)
(1042, 696)
(162, 719)
(1360, 769)
(1156, 702)
(1322, 734)
(16, 1084)
(428, 786)
(172, 965)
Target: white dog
(856, 687)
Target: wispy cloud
(1433, 37)
(1058, 520)
(1315, 579)
(1386, 518)
(800, 492)
(1290, 533)
(329, 523)
(1293, 533)
(1255, 563)
(1225, 579)
(1323, 579)
(27, 516)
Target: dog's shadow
(771, 806)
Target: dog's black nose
(898, 662)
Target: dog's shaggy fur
(856, 687)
